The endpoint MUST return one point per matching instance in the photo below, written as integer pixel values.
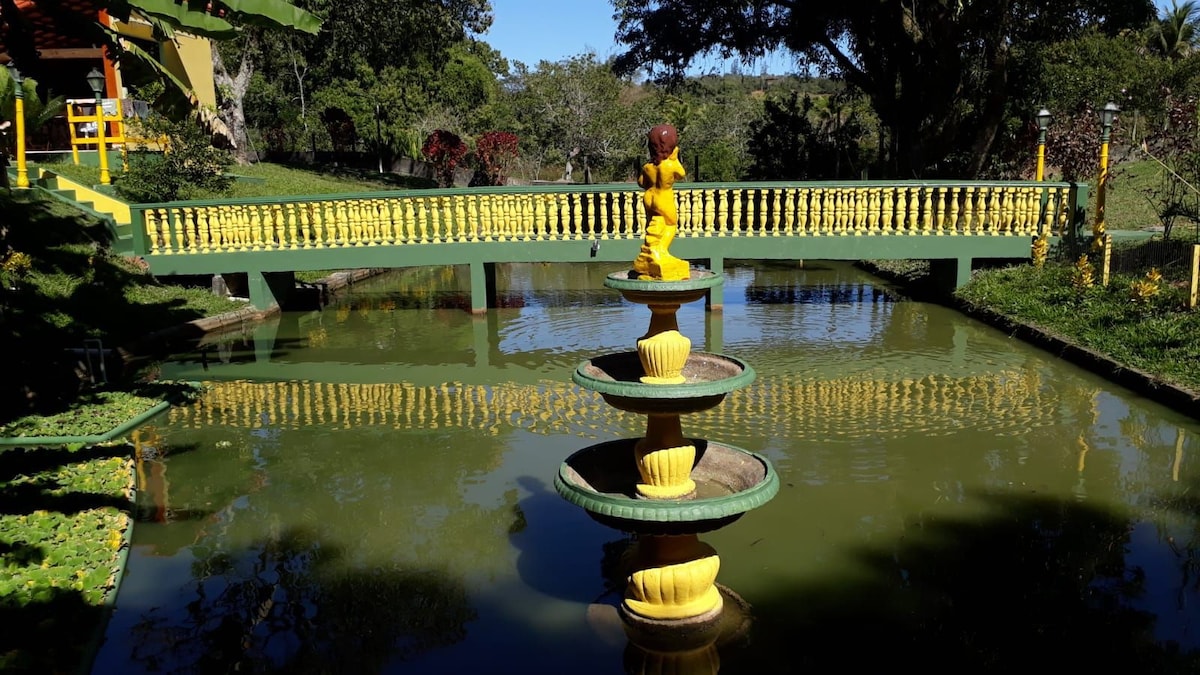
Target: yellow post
(96, 80)
(1107, 115)
(19, 94)
(1043, 122)
(1194, 294)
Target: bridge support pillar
(714, 300)
(714, 332)
(270, 288)
(950, 274)
(483, 287)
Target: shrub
(189, 168)
(496, 151)
(444, 150)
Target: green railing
(608, 212)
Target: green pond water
(369, 489)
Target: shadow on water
(1041, 583)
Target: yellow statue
(657, 179)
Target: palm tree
(1174, 35)
(37, 111)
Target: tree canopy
(938, 73)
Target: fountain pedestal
(667, 488)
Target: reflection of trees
(282, 605)
(324, 552)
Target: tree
(937, 72)
(579, 108)
(1173, 35)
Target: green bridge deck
(950, 223)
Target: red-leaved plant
(495, 152)
(444, 150)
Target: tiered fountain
(666, 488)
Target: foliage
(1173, 34)
(189, 167)
(444, 150)
(792, 142)
(1141, 291)
(578, 111)
(937, 72)
(1083, 275)
(1072, 147)
(1090, 69)
(495, 152)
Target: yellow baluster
(874, 199)
(990, 218)
(369, 210)
(888, 214)
(756, 223)
(720, 205)
(862, 197)
(789, 211)
(466, 231)
(150, 222)
(202, 229)
(185, 228)
(968, 224)
(939, 209)
(630, 212)
(914, 204)
(486, 226)
(472, 203)
(953, 218)
(252, 226)
(709, 214)
(301, 212)
(927, 212)
(292, 226)
(816, 217)
(527, 224)
(355, 220)
(320, 224)
(562, 226)
(439, 224)
(901, 210)
(684, 207)
(512, 217)
(589, 223)
(842, 210)
(594, 221)
(735, 227)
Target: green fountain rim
(705, 280)
(642, 390)
(669, 511)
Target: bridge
(950, 223)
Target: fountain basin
(730, 481)
(707, 377)
(655, 292)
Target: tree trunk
(231, 95)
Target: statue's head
(663, 139)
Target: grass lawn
(265, 179)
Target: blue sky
(535, 30)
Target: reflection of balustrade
(1000, 402)
(572, 213)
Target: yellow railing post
(19, 104)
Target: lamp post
(1043, 122)
(19, 114)
(96, 81)
(1108, 114)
